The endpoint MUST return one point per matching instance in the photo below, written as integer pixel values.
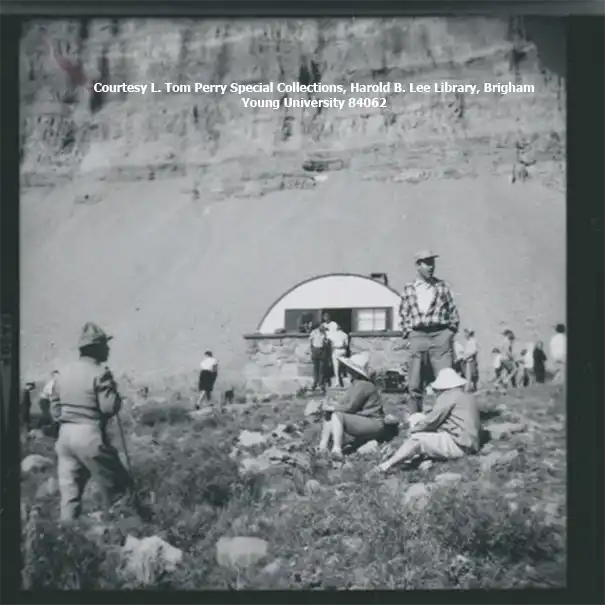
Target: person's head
(524, 352)
(425, 264)
(208, 353)
(326, 316)
(94, 343)
(54, 374)
(539, 345)
(496, 351)
(469, 333)
(560, 329)
(508, 334)
(30, 386)
(448, 380)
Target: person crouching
(361, 414)
(451, 430)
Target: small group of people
(530, 363)
(328, 344)
(452, 429)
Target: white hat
(359, 363)
(448, 379)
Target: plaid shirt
(442, 312)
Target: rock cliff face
(157, 223)
(125, 136)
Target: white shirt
(338, 339)
(425, 293)
(528, 359)
(458, 350)
(497, 360)
(558, 348)
(330, 326)
(50, 390)
(209, 364)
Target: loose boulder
(35, 462)
(150, 558)
(251, 438)
(240, 551)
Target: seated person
(360, 415)
(451, 430)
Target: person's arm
(110, 401)
(454, 316)
(435, 418)
(354, 400)
(404, 314)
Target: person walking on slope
(48, 395)
(87, 398)
(430, 321)
(539, 362)
(207, 378)
(451, 430)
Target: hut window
(372, 320)
(296, 319)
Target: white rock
(150, 557)
(255, 465)
(312, 486)
(272, 568)
(498, 459)
(417, 496)
(313, 407)
(199, 414)
(50, 487)
(240, 551)
(504, 430)
(448, 478)
(425, 465)
(35, 462)
(251, 438)
(368, 448)
(514, 484)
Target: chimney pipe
(381, 277)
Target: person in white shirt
(328, 324)
(47, 396)
(558, 351)
(207, 378)
(339, 340)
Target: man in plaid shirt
(429, 320)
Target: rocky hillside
(152, 213)
(126, 136)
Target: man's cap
(91, 335)
(424, 255)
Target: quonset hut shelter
(365, 307)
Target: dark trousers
(206, 382)
(540, 373)
(319, 358)
(431, 346)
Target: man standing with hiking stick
(87, 398)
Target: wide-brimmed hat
(92, 335)
(424, 255)
(359, 363)
(448, 378)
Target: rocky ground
(240, 500)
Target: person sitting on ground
(207, 378)
(360, 415)
(539, 358)
(451, 430)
